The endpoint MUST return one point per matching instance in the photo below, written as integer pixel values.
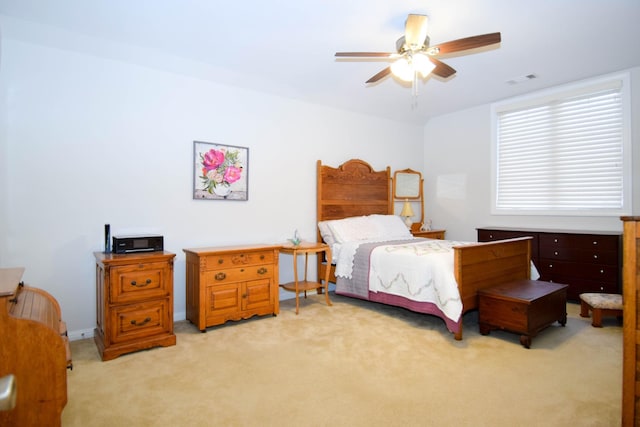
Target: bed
(354, 189)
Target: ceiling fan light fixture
(422, 64)
(402, 69)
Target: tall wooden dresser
(631, 319)
(134, 307)
(231, 283)
(587, 261)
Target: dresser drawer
(488, 235)
(578, 286)
(136, 321)
(587, 255)
(597, 272)
(242, 274)
(238, 259)
(582, 241)
(134, 282)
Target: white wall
(90, 141)
(457, 169)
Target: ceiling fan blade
(415, 31)
(365, 54)
(442, 69)
(466, 43)
(380, 75)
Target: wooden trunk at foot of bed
(484, 265)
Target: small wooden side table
(305, 285)
(431, 234)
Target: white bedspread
(344, 253)
(420, 271)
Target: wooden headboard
(351, 189)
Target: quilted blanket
(419, 270)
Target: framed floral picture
(220, 172)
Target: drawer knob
(555, 253)
(220, 261)
(141, 285)
(491, 236)
(601, 271)
(550, 265)
(595, 257)
(262, 270)
(595, 243)
(220, 276)
(261, 257)
(145, 321)
(555, 240)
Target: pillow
(326, 233)
(352, 229)
(390, 227)
(358, 228)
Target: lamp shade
(407, 211)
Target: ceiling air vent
(521, 79)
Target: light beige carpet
(354, 364)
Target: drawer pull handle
(144, 322)
(146, 283)
(221, 276)
(262, 270)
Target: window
(564, 152)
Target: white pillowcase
(371, 227)
(326, 233)
(391, 227)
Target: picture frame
(220, 172)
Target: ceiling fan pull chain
(414, 90)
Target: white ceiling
(287, 47)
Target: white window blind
(563, 152)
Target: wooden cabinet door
(257, 294)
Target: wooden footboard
(483, 265)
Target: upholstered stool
(600, 305)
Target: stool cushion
(603, 301)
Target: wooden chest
(524, 306)
(231, 283)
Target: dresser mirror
(407, 184)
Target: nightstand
(431, 234)
(305, 285)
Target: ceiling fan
(415, 57)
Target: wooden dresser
(587, 261)
(34, 348)
(231, 283)
(631, 320)
(134, 307)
